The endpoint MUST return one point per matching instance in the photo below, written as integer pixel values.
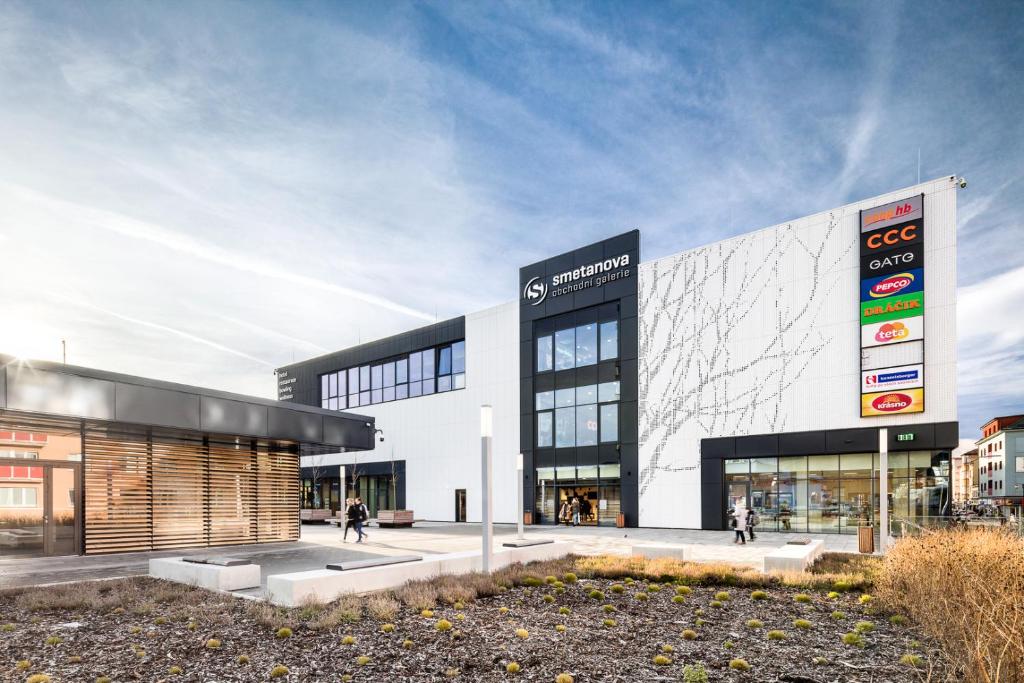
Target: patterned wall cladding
(760, 334)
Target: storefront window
(586, 425)
(544, 353)
(586, 345)
(544, 421)
(565, 349)
(792, 494)
(609, 340)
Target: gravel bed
(145, 640)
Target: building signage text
(596, 274)
(897, 212)
(886, 379)
(889, 238)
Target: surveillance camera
(381, 437)
(962, 182)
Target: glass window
(444, 366)
(415, 388)
(565, 398)
(609, 423)
(341, 383)
(353, 400)
(332, 404)
(428, 364)
(401, 371)
(389, 374)
(586, 472)
(1019, 440)
(565, 349)
(857, 465)
(389, 394)
(332, 388)
(376, 377)
(460, 380)
(377, 395)
(609, 340)
(458, 357)
(738, 466)
(364, 378)
(610, 471)
(401, 391)
(1020, 463)
(586, 344)
(325, 390)
(544, 353)
(608, 391)
(444, 383)
(586, 425)
(353, 380)
(428, 386)
(565, 428)
(544, 430)
(324, 402)
(824, 465)
(545, 400)
(586, 394)
(415, 367)
(364, 398)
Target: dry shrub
(346, 610)
(382, 606)
(419, 595)
(848, 563)
(267, 615)
(965, 589)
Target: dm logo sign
(535, 291)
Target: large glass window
(545, 400)
(401, 378)
(586, 394)
(609, 340)
(565, 349)
(586, 425)
(458, 357)
(609, 422)
(544, 351)
(544, 429)
(586, 345)
(565, 428)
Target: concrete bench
(793, 557)
(222, 575)
(656, 550)
(373, 562)
(325, 585)
(524, 543)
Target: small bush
(715, 603)
(842, 585)
(853, 639)
(550, 580)
(667, 648)
(407, 644)
(174, 670)
(459, 605)
(243, 659)
(617, 588)
(595, 595)
(776, 635)
(758, 595)
(387, 628)
(754, 623)
(837, 615)
(912, 660)
(503, 610)
(608, 623)
(563, 678)
(532, 581)
(689, 634)
(654, 588)
(802, 598)
(683, 590)
(739, 665)
(284, 632)
(832, 595)
(22, 665)
(103, 679)
(819, 661)
(564, 610)
(721, 596)
(678, 599)
(608, 608)
(802, 624)
(160, 621)
(213, 644)
(695, 673)
(570, 578)
(7, 628)
(700, 622)
(443, 625)
(864, 627)
(427, 613)
(642, 597)
(362, 660)
(728, 645)
(560, 628)
(348, 640)
(662, 660)
(38, 678)
(864, 599)
(279, 671)
(512, 667)
(549, 599)
(522, 633)
(54, 640)
(897, 620)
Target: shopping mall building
(756, 370)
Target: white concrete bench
(793, 557)
(325, 585)
(656, 550)
(216, 577)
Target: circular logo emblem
(535, 291)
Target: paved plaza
(322, 544)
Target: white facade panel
(438, 436)
(761, 334)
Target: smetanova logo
(892, 402)
(535, 291)
(894, 284)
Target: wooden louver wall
(150, 493)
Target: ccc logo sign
(887, 238)
(535, 291)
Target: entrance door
(739, 495)
(460, 505)
(39, 508)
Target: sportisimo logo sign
(535, 291)
(596, 274)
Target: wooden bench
(387, 519)
(306, 515)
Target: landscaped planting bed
(584, 618)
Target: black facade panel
(526, 395)
(947, 434)
(757, 446)
(629, 307)
(545, 382)
(719, 448)
(353, 433)
(630, 504)
(629, 338)
(526, 351)
(851, 441)
(921, 436)
(151, 405)
(587, 455)
(628, 422)
(802, 443)
(288, 424)
(712, 495)
(588, 297)
(628, 391)
(526, 427)
(224, 416)
(586, 375)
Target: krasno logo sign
(906, 282)
(892, 402)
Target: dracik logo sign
(892, 308)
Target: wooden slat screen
(158, 492)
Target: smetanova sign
(596, 274)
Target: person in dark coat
(353, 513)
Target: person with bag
(362, 515)
(563, 513)
(739, 523)
(752, 521)
(352, 515)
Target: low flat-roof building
(99, 462)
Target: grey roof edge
(93, 373)
(371, 342)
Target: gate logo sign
(892, 402)
(535, 291)
(892, 332)
(890, 379)
(906, 282)
(895, 261)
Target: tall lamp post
(883, 490)
(519, 487)
(486, 456)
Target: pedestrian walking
(752, 521)
(352, 515)
(575, 511)
(563, 513)
(362, 515)
(739, 523)
(348, 520)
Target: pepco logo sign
(894, 284)
(892, 402)
(535, 291)
(891, 238)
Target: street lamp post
(486, 453)
(883, 490)
(519, 486)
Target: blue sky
(204, 191)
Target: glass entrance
(38, 509)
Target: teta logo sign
(535, 291)
(892, 332)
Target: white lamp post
(883, 489)
(519, 486)
(486, 449)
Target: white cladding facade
(438, 436)
(760, 334)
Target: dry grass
(382, 606)
(965, 588)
